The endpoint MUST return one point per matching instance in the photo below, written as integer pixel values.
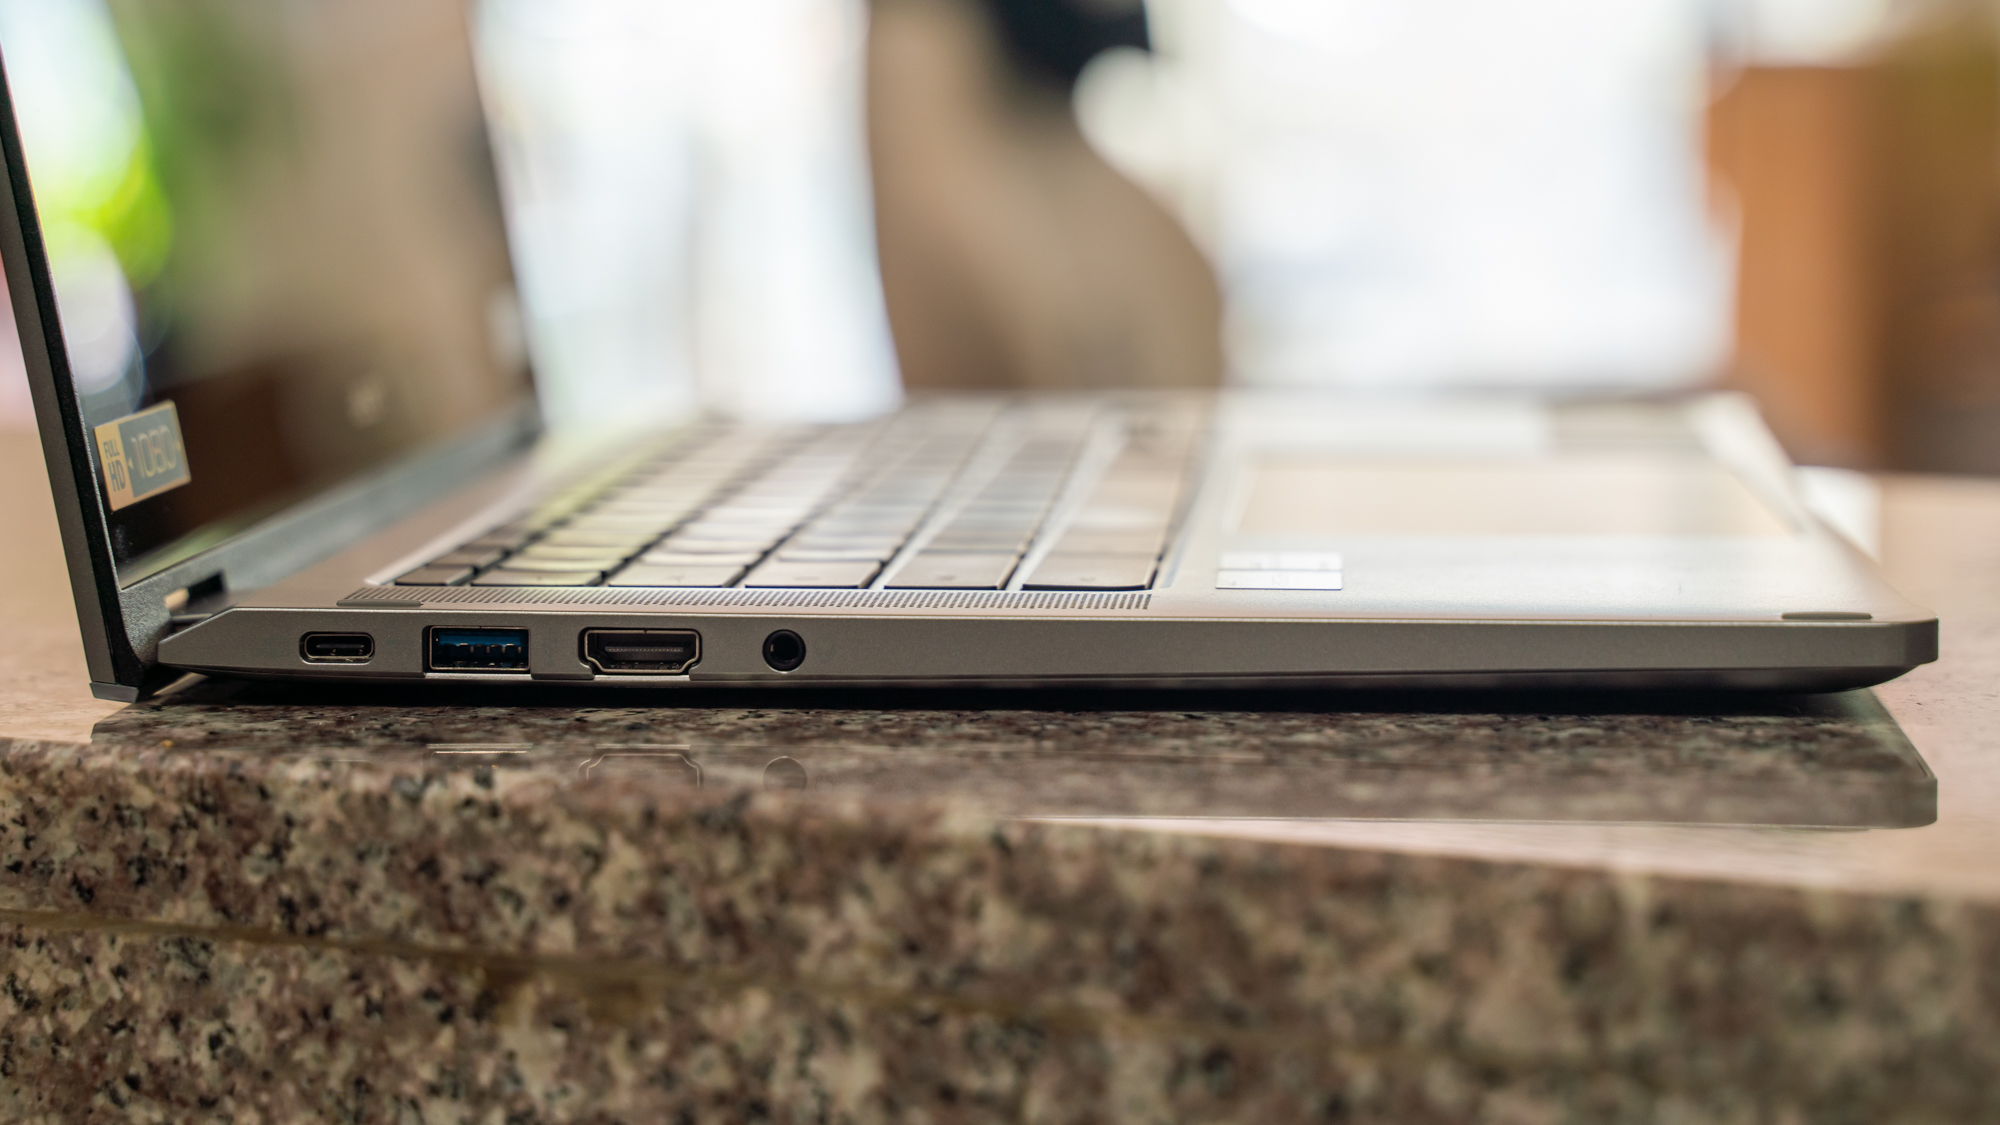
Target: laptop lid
(259, 260)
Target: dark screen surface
(281, 217)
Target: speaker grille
(382, 596)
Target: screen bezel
(122, 624)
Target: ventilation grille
(769, 599)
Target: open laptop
(258, 257)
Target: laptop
(259, 259)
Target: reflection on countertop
(1833, 761)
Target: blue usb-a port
(478, 650)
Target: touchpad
(1593, 494)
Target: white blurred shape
(691, 206)
(790, 319)
(1434, 193)
(76, 109)
(1808, 32)
(595, 155)
(1330, 25)
(1153, 117)
(95, 304)
(79, 121)
(1850, 502)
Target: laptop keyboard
(942, 497)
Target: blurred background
(799, 208)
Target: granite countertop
(257, 903)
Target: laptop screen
(276, 242)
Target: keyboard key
(726, 547)
(549, 551)
(739, 560)
(731, 533)
(643, 503)
(617, 520)
(863, 553)
(855, 547)
(880, 511)
(771, 514)
(436, 576)
(505, 577)
(649, 502)
(470, 556)
(935, 571)
(560, 565)
(568, 537)
(507, 539)
(882, 507)
(1121, 517)
(862, 529)
(992, 525)
(979, 544)
(1080, 542)
(1092, 572)
(632, 520)
(856, 531)
(642, 574)
(813, 575)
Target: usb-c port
(337, 648)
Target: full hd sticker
(142, 455)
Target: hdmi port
(337, 648)
(641, 652)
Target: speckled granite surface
(242, 904)
(1709, 759)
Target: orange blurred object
(1868, 198)
(1792, 149)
